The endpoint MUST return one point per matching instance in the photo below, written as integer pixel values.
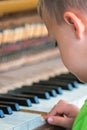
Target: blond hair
(56, 8)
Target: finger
(60, 121)
(46, 116)
(59, 108)
(53, 110)
(63, 107)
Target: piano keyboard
(24, 119)
(20, 121)
(23, 107)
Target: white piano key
(12, 120)
(22, 121)
(5, 126)
(36, 122)
(77, 96)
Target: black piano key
(58, 90)
(74, 83)
(44, 95)
(6, 109)
(40, 94)
(74, 77)
(62, 85)
(13, 105)
(68, 76)
(51, 91)
(20, 101)
(1, 113)
(62, 79)
(34, 99)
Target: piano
(32, 76)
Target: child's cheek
(70, 60)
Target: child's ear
(71, 19)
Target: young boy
(66, 21)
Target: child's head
(66, 21)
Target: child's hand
(63, 114)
